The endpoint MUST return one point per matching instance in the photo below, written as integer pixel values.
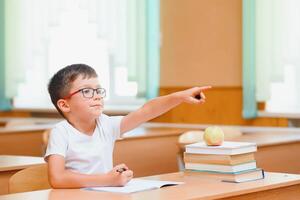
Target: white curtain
(29, 24)
(277, 44)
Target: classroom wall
(202, 45)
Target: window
(271, 46)
(285, 95)
(285, 91)
(109, 35)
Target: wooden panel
(38, 113)
(14, 114)
(277, 151)
(4, 178)
(22, 143)
(223, 106)
(2, 124)
(9, 165)
(279, 158)
(155, 155)
(30, 179)
(201, 42)
(157, 151)
(148, 156)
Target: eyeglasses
(89, 93)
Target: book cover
(218, 159)
(221, 168)
(136, 185)
(246, 177)
(227, 148)
(236, 177)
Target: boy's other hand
(120, 175)
(194, 95)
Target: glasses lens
(88, 92)
(101, 92)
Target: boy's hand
(194, 95)
(120, 175)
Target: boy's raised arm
(160, 105)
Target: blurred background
(247, 50)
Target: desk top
(269, 138)
(8, 163)
(195, 187)
(144, 132)
(263, 136)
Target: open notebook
(136, 185)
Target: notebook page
(136, 185)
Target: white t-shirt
(83, 153)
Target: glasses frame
(102, 91)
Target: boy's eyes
(87, 91)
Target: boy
(80, 148)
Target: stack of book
(231, 161)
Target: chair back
(30, 179)
(189, 137)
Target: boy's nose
(97, 96)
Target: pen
(198, 96)
(120, 170)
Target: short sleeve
(113, 125)
(57, 143)
(116, 126)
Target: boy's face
(85, 103)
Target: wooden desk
(158, 150)
(275, 185)
(152, 148)
(277, 151)
(20, 121)
(143, 143)
(149, 151)
(23, 140)
(9, 165)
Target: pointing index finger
(205, 87)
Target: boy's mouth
(97, 105)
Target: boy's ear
(63, 105)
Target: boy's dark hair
(60, 84)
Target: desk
(149, 151)
(277, 151)
(20, 121)
(143, 143)
(9, 165)
(281, 186)
(155, 144)
(23, 140)
(158, 149)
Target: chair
(29, 179)
(186, 138)
(231, 133)
(46, 135)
